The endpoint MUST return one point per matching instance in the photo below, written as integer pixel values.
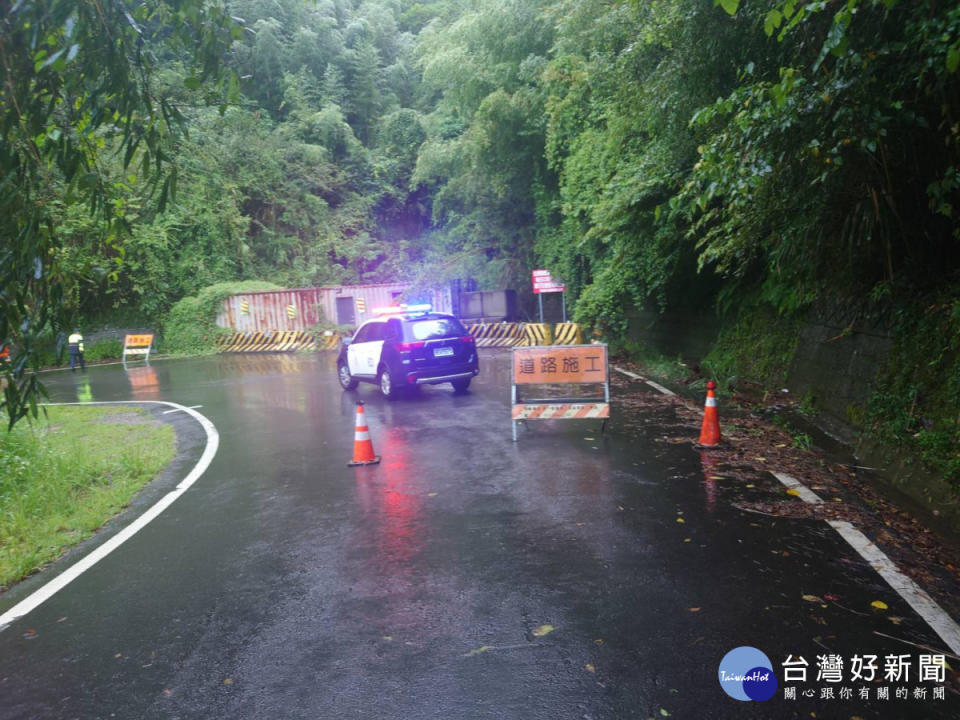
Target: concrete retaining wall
(842, 349)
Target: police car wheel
(387, 387)
(347, 381)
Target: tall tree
(483, 160)
(76, 81)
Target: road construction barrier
(135, 346)
(496, 334)
(276, 341)
(559, 364)
(567, 333)
(537, 334)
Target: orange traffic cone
(710, 431)
(362, 445)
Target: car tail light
(407, 347)
(466, 338)
(411, 379)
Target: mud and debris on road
(754, 446)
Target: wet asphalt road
(286, 585)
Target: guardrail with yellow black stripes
(504, 334)
(526, 334)
(567, 334)
(277, 341)
(496, 334)
(537, 334)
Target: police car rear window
(431, 328)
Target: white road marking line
(47, 591)
(191, 407)
(659, 387)
(629, 374)
(934, 615)
(802, 491)
(99, 364)
(942, 624)
(651, 383)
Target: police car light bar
(400, 309)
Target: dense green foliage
(757, 346)
(751, 155)
(771, 149)
(191, 330)
(916, 402)
(80, 119)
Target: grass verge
(63, 476)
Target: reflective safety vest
(75, 342)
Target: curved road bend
(464, 577)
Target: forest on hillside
(782, 147)
(657, 153)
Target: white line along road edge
(47, 591)
(651, 383)
(924, 605)
(915, 596)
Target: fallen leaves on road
(879, 605)
(478, 651)
(542, 630)
(754, 445)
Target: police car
(408, 346)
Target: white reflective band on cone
(361, 435)
(711, 402)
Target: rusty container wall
(364, 299)
(341, 305)
(269, 311)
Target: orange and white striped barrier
(569, 411)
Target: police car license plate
(443, 352)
